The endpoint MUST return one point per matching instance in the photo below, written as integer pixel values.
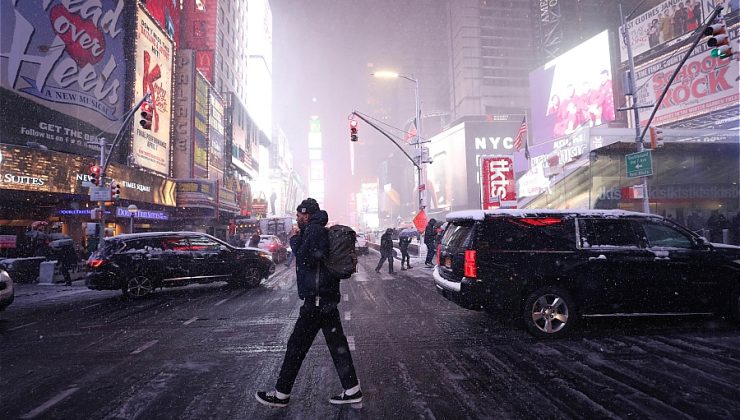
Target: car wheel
(138, 286)
(549, 312)
(252, 276)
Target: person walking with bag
(320, 294)
(386, 251)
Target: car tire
(138, 286)
(549, 312)
(252, 277)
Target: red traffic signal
(353, 130)
(719, 40)
(147, 112)
(95, 175)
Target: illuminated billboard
(704, 85)
(154, 62)
(669, 23)
(63, 65)
(572, 90)
(259, 70)
(199, 33)
(454, 177)
(167, 14)
(200, 127)
(216, 137)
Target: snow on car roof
(150, 234)
(481, 214)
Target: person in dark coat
(254, 241)
(386, 251)
(429, 237)
(320, 293)
(64, 252)
(716, 223)
(404, 240)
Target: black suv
(139, 263)
(552, 267)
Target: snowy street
(203, 351)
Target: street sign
(100, 194)
(639, 164)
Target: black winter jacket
(386, 244)
(429, 232)
(310, 247)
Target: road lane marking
(347, 316)
(90, 306)
(23, 326)
(45, 406)
(351, 342)
(190, 321)
(346, 297)
(145, 346)
(221, 301)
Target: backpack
(342, 260)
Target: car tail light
(95, 263)
(471, 269)
(541, 221)
(439, 257)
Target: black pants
(384, 257)
(310, 321)
(64, 270)
(405, 257)
(431, 250)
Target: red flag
(411, 133)
(521, 135)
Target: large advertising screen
(572, 90)
(200, 127)
(447, 175)
(167, 14)
(705, 84)
(61, 63)
(259, 70)
(669, 22)
(154, 63)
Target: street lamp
(132, 209)
(385, 74)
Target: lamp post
(132, 209)
(417, 125)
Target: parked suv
(552, 267)
(139, 263)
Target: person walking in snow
(320, 294)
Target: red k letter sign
(498, 183)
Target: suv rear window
(456, 234)
(528, 234)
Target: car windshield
(482, 208)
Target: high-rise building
(491, 56)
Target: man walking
(386, 251)
(429, 234)
(320, 293)
(404, 240)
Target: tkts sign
(499, 184)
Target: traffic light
(95, 175)
(115, 190)
(719, 40)
(656, 137)
(352, 130)
(147, 112)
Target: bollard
(725, 236)
(46, 272)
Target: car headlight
(266, 255)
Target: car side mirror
(702, 241)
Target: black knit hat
(309, 206)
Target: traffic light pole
(105, 160)
(635, 109)
(418, 165)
